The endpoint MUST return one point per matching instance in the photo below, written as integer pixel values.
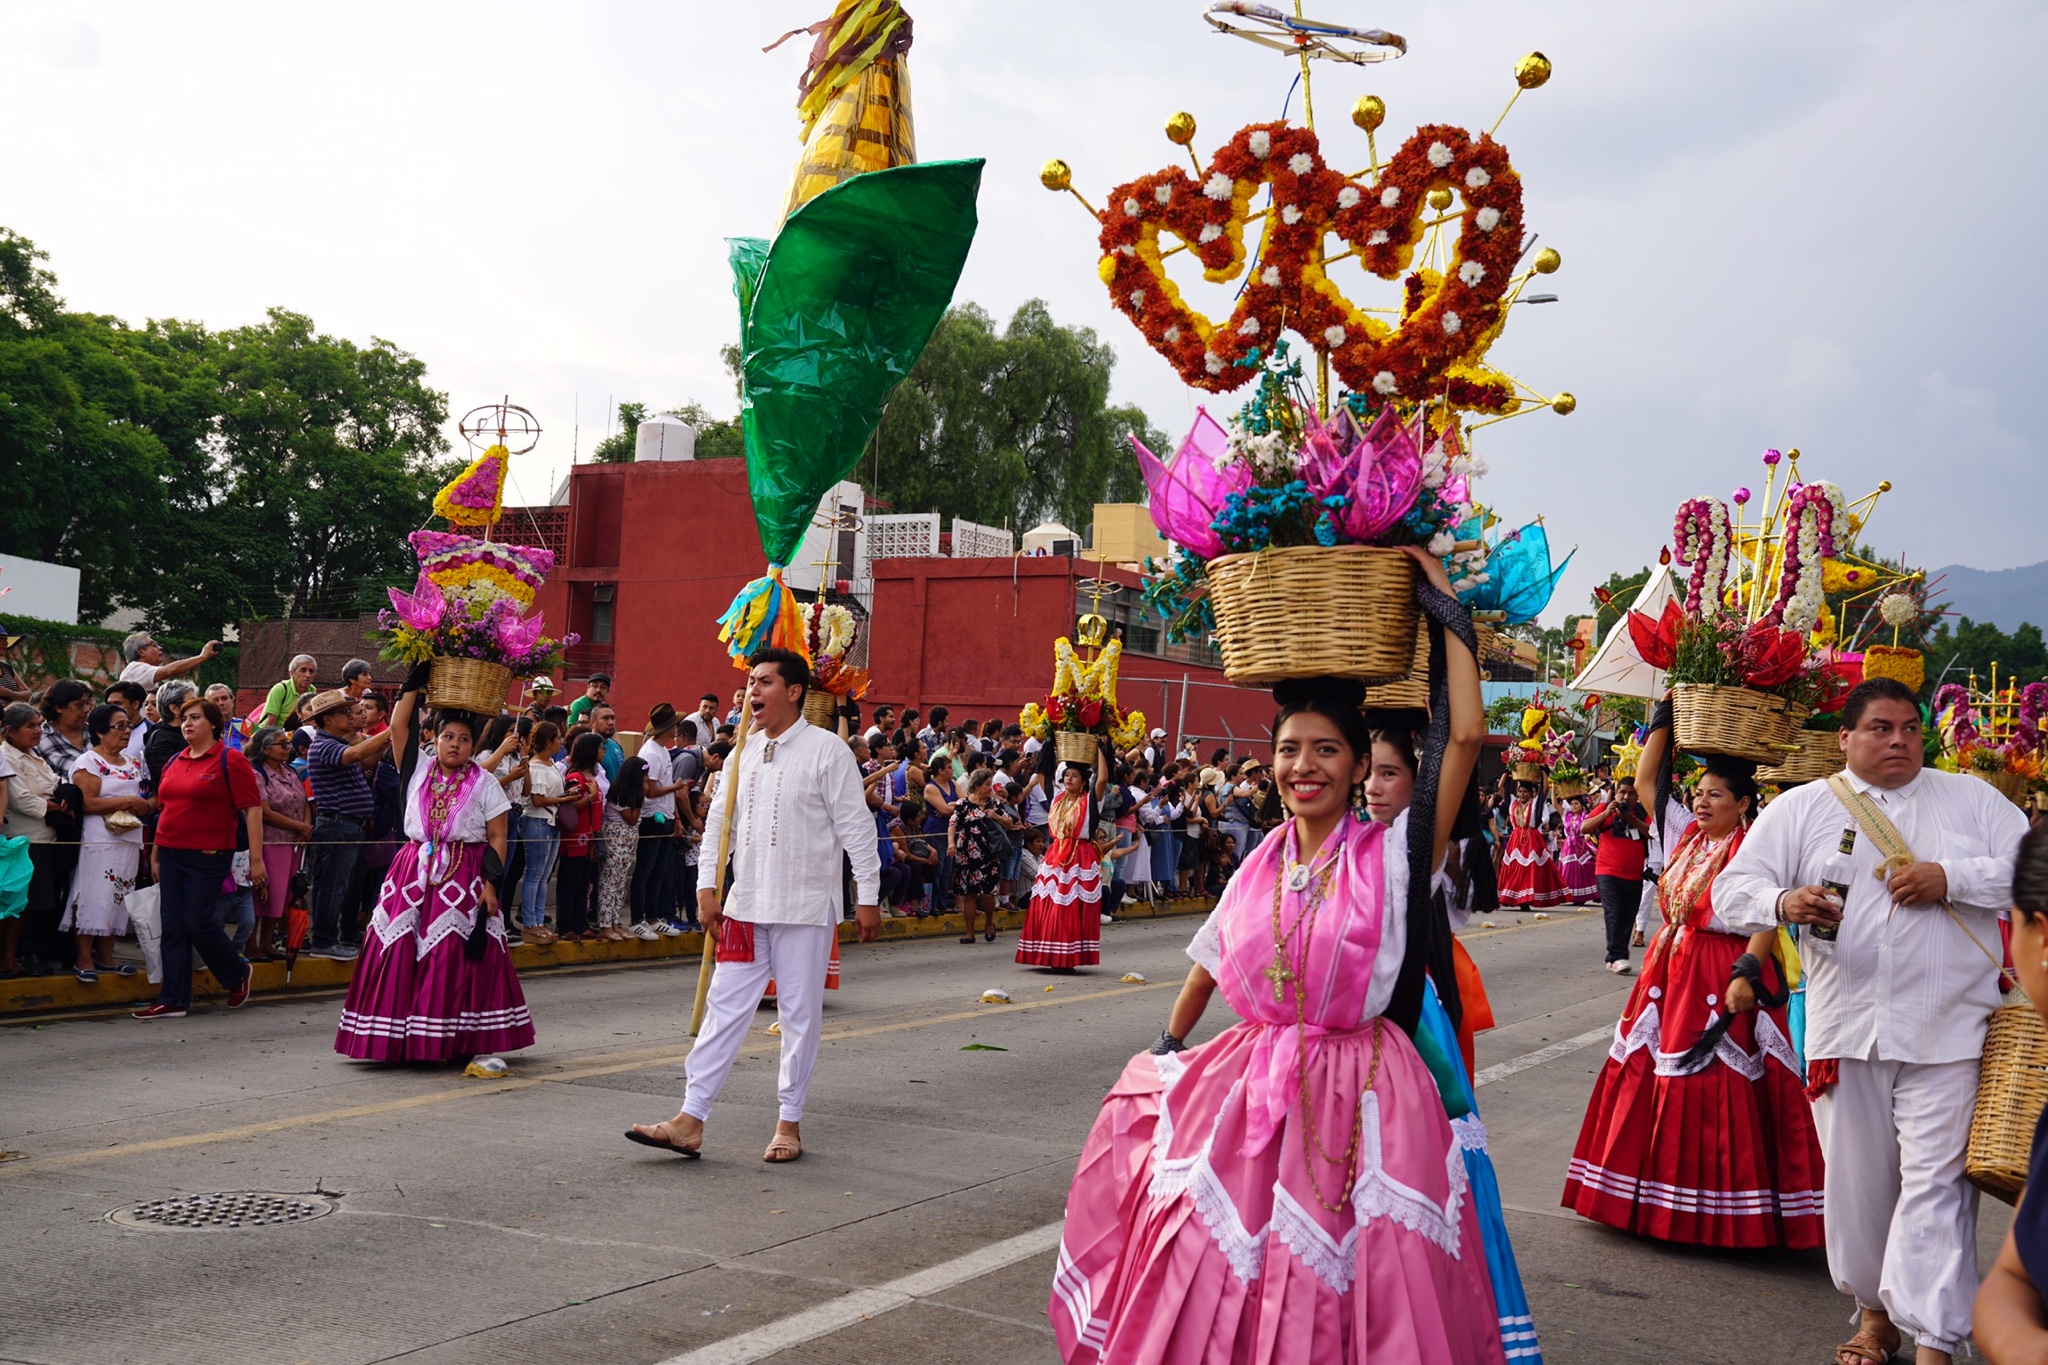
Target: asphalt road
(486, 1221)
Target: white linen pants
(1901, 1219)
(796, 956)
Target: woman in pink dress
(1291, 1191)
(435, 982)
(1529, 879)
(1575, 855)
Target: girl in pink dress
(435, 982)
(1291, 1191)
(1575, 855)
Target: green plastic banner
(833, 315)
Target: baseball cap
(604, 678)
(1159, 734)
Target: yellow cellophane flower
(1131, 733)
(1032, 720)
(1889, 661)
(468, 576)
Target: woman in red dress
(1063, 927)
(1699, 1130)
(1529, 879)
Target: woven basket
(1412, 692)
(1565, 791)
(1818, 759)
(468, 685)
(2012, 1087)
(2011, 786)
(1526, 772)
(1737, 721)
(1075, 746)
(1313, 611)
(821, 708)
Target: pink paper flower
(1187, 494)
(421, 608)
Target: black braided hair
(1429, 926)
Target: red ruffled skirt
(1725, 1155)
(1529, 878)
(1063, 927)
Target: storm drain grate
(229, 1209)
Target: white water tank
(665, 438)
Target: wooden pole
(732, 789)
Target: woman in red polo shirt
(207, 801)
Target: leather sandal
(1868, 1348)
(782, 1148)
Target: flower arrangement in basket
(1995, 736)
(830, 634)
(467, 611)
(1081, 711)
(1544, 748)
(1286, 527)
(1741, 686)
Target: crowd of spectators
(607, 845)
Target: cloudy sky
(1785, 224)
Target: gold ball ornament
(1369, 113)
(1532, 71)
(1056, 175)
(1180, 129)
(1439, 199)
(1564, 405)
(1885, 486)
(1547, 261)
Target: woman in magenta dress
(435, 982)
(1529, 879)
(1575, 855)
(1063, 927)
(1699, 1129)
(1291, 1191)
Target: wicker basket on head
(1526, 772)
(2012, 1086)
(2011, 786)
(1075, 746)
(821, 708)
(1412, 692)
(1740, 722)
(1315, 611)
(1566, 790)
(468, 685)
(1819, 758)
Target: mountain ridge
(2007, 598)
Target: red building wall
(676, 541)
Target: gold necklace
(1282, 970)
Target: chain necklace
(1290, 966)
(1315, 882)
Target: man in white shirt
(798, 808)
(146, 660)
(704, 721)
(1896, 1009)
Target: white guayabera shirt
(1904, 984)
(795, 814)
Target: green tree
(1008, 428)
(717, 438)
(1967, 647)
(617, 448)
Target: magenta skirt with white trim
(416, 996)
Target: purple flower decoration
(421, 608)
(1741, 496)
(1379, 478)
(1771, 457)
(1188, 495)
(515, 636)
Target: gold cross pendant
(1279, 974)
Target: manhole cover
(227, 1210)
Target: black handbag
(65, 812)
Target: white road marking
(846, 1310)
(838, 1314)
(1542, 1055)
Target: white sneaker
(644, 932)
(1618, 968)
(668, 928)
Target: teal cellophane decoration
(833, 315)
(1519, 576)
